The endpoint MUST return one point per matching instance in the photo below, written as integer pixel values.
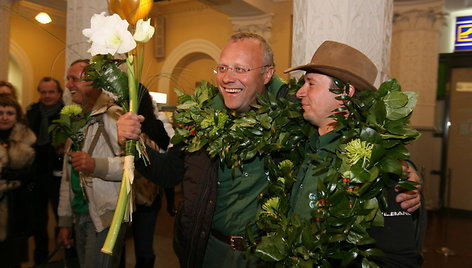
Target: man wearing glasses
(221, 203)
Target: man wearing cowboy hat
(333, 60)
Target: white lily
(144, 31)
(109, 35)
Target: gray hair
(268, 54)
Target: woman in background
(16, 158)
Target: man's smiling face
(240, 90)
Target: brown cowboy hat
(342, 62)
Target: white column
(79, 13)
(365, 25)
(5, 8)
(415, 50)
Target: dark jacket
(195, 214)
(47, 159)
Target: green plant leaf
(386, 87)
(395, 99)
(396, 113)
(390, 165)
(370, 135)
(377, 114)
(271, 248)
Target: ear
(268, 74)
(352, 90)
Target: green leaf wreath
(273, 126)
(375, 127)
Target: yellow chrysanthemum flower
(271, 206)
(357, 150)
(71, 110)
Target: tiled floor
(448, 232)
(453, 232)
(162, 243)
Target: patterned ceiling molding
(171, 7)
(261, 25)
(56, 4)
(427, 15)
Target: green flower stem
(127, 178)
(118, 217)
(133, 100)
(139, 60)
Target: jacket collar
(101, 104)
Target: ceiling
(56, 4)
(456, 5)
(450, 5)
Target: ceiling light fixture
(43, 18)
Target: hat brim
(358, 82)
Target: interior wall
(14, 76)
(189, 72)
(281, 39)
(180, 27)
(43, 47)
(426, 155)
(215, 27)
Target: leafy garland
(350, 190)
(274, 126)
(375, 131)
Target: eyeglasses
(221, 69)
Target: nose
(301, 92)
(69, 83)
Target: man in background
(47, 164)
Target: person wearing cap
(333, 60)
(219, 202)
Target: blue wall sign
(463, 33)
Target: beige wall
(43, 46)
(282, 36)
(215, 27)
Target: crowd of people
(32, 170)
(81, 181)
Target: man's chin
(77, 101)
